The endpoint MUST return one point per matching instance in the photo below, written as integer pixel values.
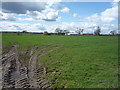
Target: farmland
(75, 61)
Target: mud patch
(20, 68)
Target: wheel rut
(17, 75)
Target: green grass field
(79, 61)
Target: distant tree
(79, 31)
(61, 31)
(66, 32)
(113, 32)
(45, 33)
(97, 31)
(58, 30)
(24, 31)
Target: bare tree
(79, 31)
(66, 32)
(58, 30)
(97, 31)
(113, 32)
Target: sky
(49, 15)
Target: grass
(0, 43)
(79, 62)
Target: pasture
(75, 61)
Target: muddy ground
(14, 73)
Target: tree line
(78, 30)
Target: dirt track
(17, 75)
(0, 74)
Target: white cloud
(47, 15)
(95, 17)
(106, 28)
(65, 10)
(36, 28)
(25, 19)
(48, 11)
(75, 15)
(72, 26)
(5, 16)
(51, 2)
(107, 16)
(11, 26)
(110, 14)
(11, 17)
(52, 16)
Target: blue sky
(65, 15)
(87, 8)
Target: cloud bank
(37, 27)
(107, 16)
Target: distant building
(72, 33)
